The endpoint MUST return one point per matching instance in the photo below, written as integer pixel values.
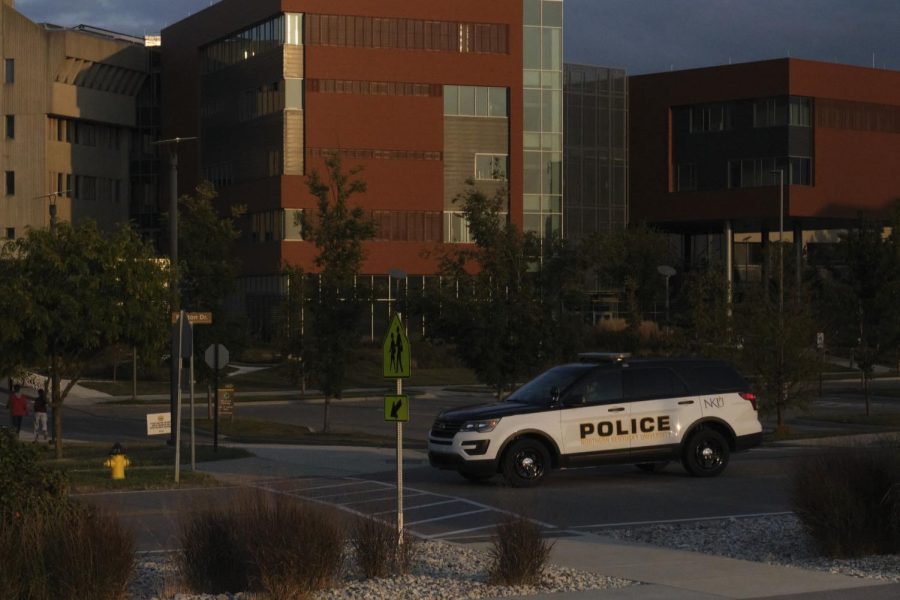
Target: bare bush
(848, 500)
(519, 553)
(378, 550)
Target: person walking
(40, 415)
(18, 407)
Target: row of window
(406, 34)
(219, 174)
(793, 111)
(750, 172)
(87, 187)
(858, 116)
(374, 88)
(475, 101)
(245, 44)
(376, 154)
(390, 225)
(75, 131)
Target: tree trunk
(56, 403)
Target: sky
(642, 36)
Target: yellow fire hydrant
(117, 461)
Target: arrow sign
(396, 408)
(396, 349)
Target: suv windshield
(539, 389)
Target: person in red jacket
(18, 407)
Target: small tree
(778, 349)
(494, 316)
(338, 231)
(84, 294)
(705, 323)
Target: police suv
(605, 409)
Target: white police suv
(603, 410)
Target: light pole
(666, 271)
(173, 267)
(52, 208)
(780, 290)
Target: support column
(728, 241)
(798, 254)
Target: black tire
(475, 477)
(653, 467)
(525, 463)
(705, 454)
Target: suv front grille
(445, 429)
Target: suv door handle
(686, 402)
(620, 409)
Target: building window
(10, 70)
(794, 111)
(714, 117)
(759, 172)
(293, 224)
(685, 177)
(10, 183)
(10, 127)
(456, 228)
(491, 167)
(472, 101)
(10, 233)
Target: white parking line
(371, 491)
(393, 497)
(447, 517)
(449, 534)
(407, 509)
(692, 520)
(325, 487)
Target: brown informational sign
(195, 318)
(226, 401)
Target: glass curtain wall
(543, 117)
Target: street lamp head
(665, 270)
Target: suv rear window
(711, 379)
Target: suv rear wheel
(705, 454)
(525, 463)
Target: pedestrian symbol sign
(396, 351)
(396, 408)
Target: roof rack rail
(603, 357)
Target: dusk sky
(642, 36)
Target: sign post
(396, 365)
(216, 357)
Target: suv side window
(652, 382)
(711, 379)
(600, 387)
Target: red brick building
(707, 146)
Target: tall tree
(338, 232)
(207, 267)
(292, 317)
(627, 260)
(494, 315)
(863, 294)
(83, 293)
(704, 321)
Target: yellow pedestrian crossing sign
(396, 351)
(396, 408)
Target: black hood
(480, 412)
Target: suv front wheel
(525, 463)
(705, 454)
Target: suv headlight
(485, 426)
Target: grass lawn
(152, 466)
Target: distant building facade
(70, 123)
(425, 96)
(596, 150)
(709, 147)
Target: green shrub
(274, 545)
(377, 550)
(78, 552)
(518, 553)
(26, 486)
(848, 500)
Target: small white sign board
(159, 423)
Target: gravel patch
(778, 540)
(442, 572)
